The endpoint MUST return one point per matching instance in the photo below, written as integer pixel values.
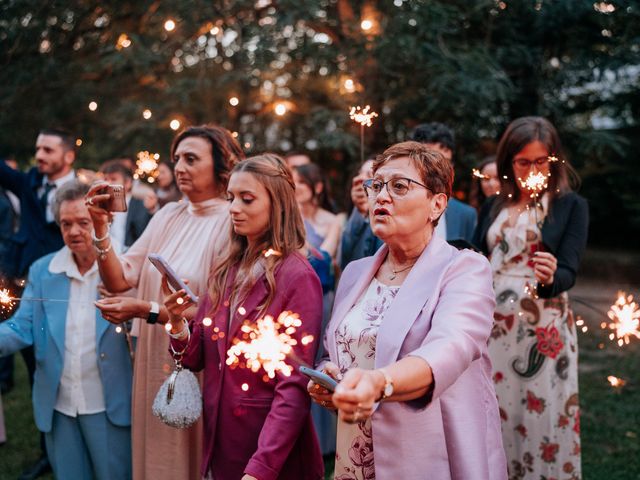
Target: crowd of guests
(446, 326)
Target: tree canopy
(472, 64)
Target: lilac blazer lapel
(419, 287)
(352, 287)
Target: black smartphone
(172, 278)
(320, 378)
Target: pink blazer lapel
(419, 287)
(354, 286)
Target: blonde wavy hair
(285, 234)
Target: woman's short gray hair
(73, 190)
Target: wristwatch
(387, 390)
(153, 313)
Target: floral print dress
(534, 351)
(356, 339)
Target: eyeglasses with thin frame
(397, 187)
(524, 163)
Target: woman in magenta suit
(408, 339)
(255, 427)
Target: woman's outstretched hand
(118, 309)
(357, 393)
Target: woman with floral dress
(535, 239)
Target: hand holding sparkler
(545, 266)
(119, 309)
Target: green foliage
(473, 64)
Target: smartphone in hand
(319, 377)
(172, 278)
(117, 198)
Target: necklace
(396, 272)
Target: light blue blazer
(42, 324)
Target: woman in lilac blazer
(255, 427)
(408, 339)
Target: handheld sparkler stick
(365, 118)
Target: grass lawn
(610, 419)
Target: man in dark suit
(459, 218)
(8, 226)
(126, 227)
(38, 233)
(358, 241)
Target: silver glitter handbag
(178, 403)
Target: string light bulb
(123, 41)
(233, 101)
(169, 25)
(174, 124)
(349, 85)
(280, 109)
(93, 106)
(146, 114)
(366, 25)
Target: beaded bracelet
(102, 239)
(179, 354)
(102, 252)
(181, 334)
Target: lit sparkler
(365, 118)
(535, 183)
(147, 166)
(625, 319)
(6, 300)
(362, 115)
(616, 382)
(268, 343)
(123, 41)
(476, 174)
(271, 253)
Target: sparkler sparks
(476, 173)
(268, 343)
(365, 118)
(271, 252)
(6, 300)
(147, 166)
(535, 183)
(616, 382)
(362, 116)
(625, 319)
